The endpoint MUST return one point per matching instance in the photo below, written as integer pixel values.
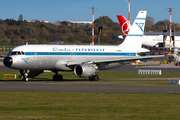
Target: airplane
(149, 40)
(84, 60)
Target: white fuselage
(152, 41)
(40, 57)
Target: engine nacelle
(84, 70)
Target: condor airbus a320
(84, 60)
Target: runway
(78, 87)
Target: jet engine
(31, 73)
(84, 70)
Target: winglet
(135, 35)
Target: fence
(149, 72)
(5, 49)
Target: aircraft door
(33, 53)
(73, 55)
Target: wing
(120, 60)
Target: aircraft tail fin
(124, 24)
(135, 35)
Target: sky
(79, 10)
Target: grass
(18, 105)
(88, 106)
(102, 75)
(70, 77)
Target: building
(81, 23)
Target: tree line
(18, 32)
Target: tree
(164, 22)
(64, 23)
(20, 17)
(77, 30)
(104, 20)
(57, 23)
(149, 21)
(27, 32)
(10, 22)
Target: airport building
(78, 23)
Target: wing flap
(124, 59)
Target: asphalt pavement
(80, 87)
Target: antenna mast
(92, 25)
(170, 10)
(128, 14)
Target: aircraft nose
(8, 61)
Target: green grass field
(89, 106)
(102, 75)
(70, 77)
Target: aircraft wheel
(24, 78)
(91, 78)
(96, 77)
(60, 77)
(24, 74)
(57, 77)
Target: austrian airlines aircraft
(84, 60)
(150, 40)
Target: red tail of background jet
(123, 24)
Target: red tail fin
(123, 24)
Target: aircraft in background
(149, 40)
(84, 60)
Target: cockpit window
(13, 53)
(17, 53)
(22, 53)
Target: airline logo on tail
(123, 24)
(125, 28)
(140, 25)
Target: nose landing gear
(24, 74)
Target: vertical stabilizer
(124, 24)
(135, 35)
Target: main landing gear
(57, 77)
(94, 78)
(60, 78)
